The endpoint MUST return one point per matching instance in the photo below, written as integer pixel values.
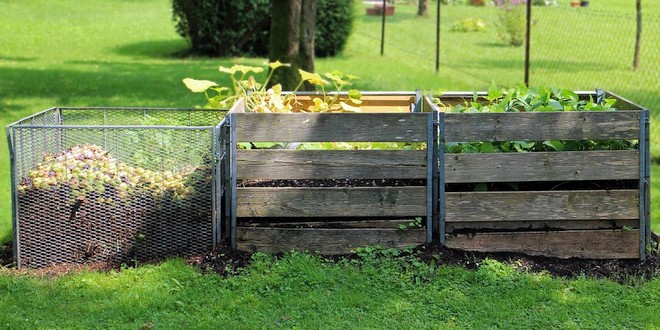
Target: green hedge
(242, 28)
(224, 27)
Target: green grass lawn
(121, 53)
(302, 291)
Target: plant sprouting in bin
(524, 99)
(260, 98)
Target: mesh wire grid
(113, 184)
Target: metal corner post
(430, 160)
(644, 166)
(14, 198)
(436, 179)
(232, 177)
(647, 177)
(216, 185)
(441, 174)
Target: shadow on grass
(160, 49)
(90, 83)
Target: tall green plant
(512, 21)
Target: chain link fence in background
(579, 48)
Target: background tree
(423, 8)
(292, 39)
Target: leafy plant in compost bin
(260, 98)
(524, 99)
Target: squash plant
(261, 98)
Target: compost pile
(84, 206)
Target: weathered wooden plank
(593, 244)
(331, 164)
(331, 127)
(542, 205)
(324, 241)
(542, 166)
(474, 226)
(331, 202)
(541, 126)
(332, 223)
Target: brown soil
(227, 262)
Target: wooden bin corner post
(597, 223)
(331, 219)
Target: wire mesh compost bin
(113, 184)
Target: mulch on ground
(227, 262)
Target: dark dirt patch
(227, 262)
(221, 260)
(6, 255)
(622, 271)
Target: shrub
(512, 21)
(334, 22)
(478, 3)
(224, 27)
(469, 24)
(242, 28)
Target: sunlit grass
(303, 291)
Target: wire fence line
(578, 48)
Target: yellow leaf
(350, 108)
(227, 70)
(277, 64)
(245, 69)
(198, 86)
(320, 105)
(312, 78)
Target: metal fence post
(14, 198)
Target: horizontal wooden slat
(333, 223)
(542, 166)
(593, 244)
(331, 164)
(331, 202)
(540, 225)
(542, 205)
(324, 241)
(541, 126)
(332, 127)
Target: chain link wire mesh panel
(113, 185)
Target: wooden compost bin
(595, 220)
(330, 219)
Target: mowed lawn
(124, 53)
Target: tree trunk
(306, 38)
(423, 8)
(284, 41)
(638, 36)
